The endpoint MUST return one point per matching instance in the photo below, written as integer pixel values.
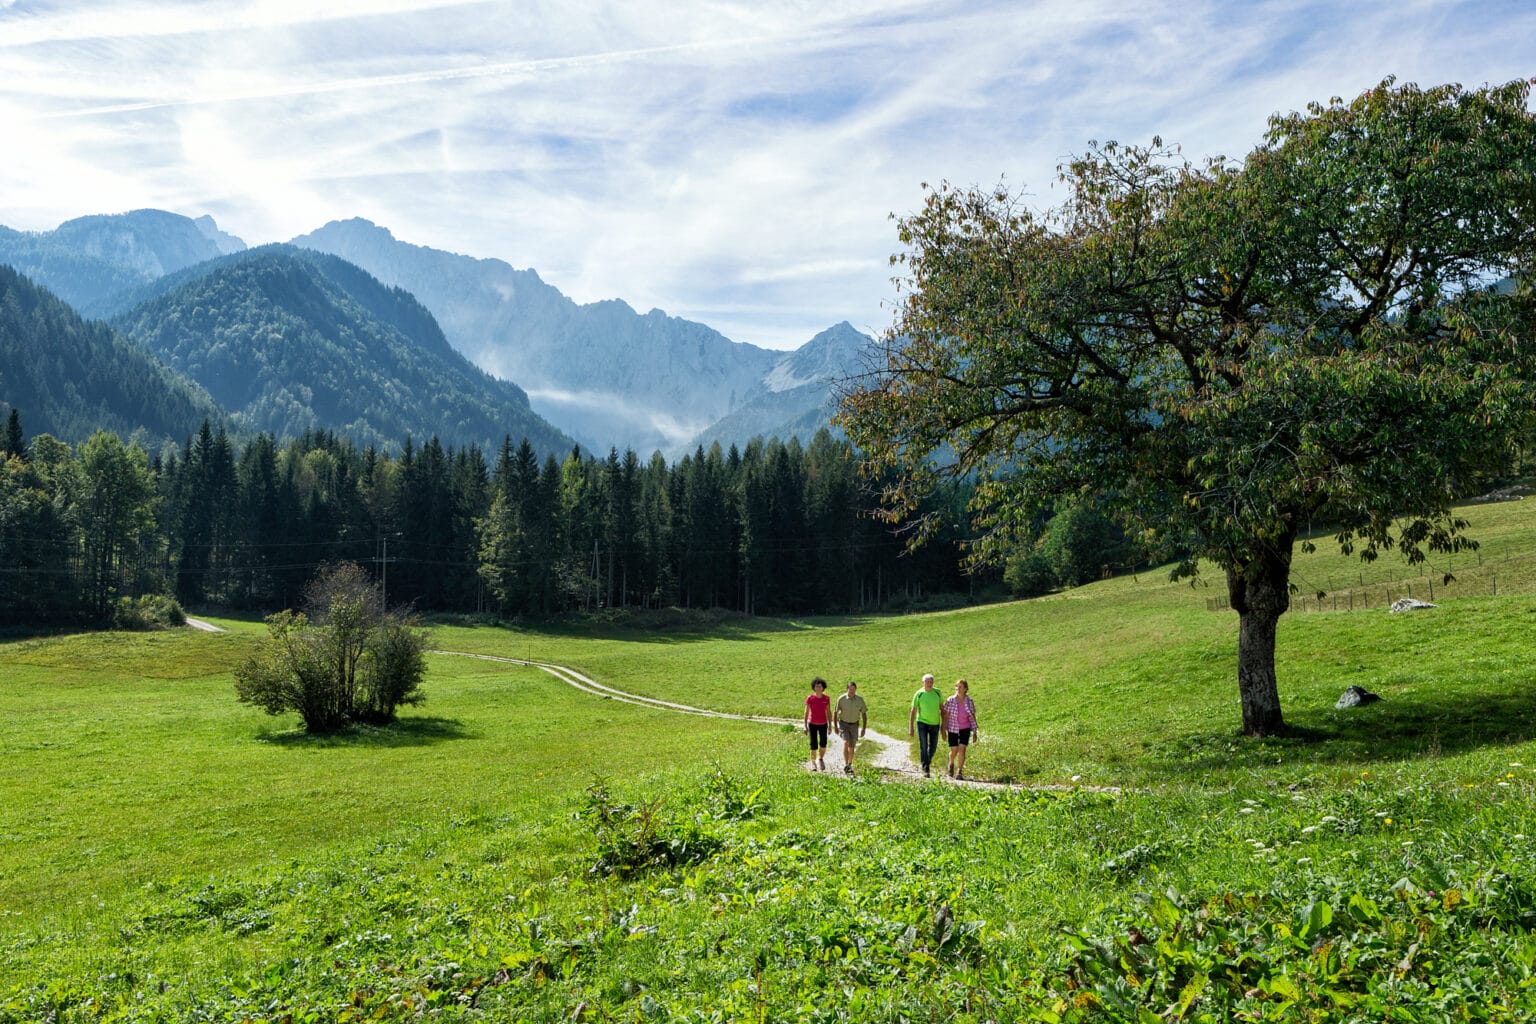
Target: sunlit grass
(154, 832)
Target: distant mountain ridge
(70, 377)
(88, 260)
(602, 371)
(798, 396)
(290, 340)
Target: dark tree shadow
(414, 731)
(685, 628)
(1398, 729)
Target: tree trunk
(1260, 594)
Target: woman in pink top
(816, 707)
(961, 726)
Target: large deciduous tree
(1230, 352)
(116, 516)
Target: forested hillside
(772, 528)
(292, 341)
(601, 370)
(71, 377)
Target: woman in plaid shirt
(961, 726)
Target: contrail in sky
(523, 68)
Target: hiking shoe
(951, 771)
(962, 776)
(927, 774)
(848, 769)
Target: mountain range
(290, 339)
(90, 260)
(282, 340)
(603, 371)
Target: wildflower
(1303, 860)
(1389, 821)
(1309, 830)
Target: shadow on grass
(666, 626)
(1401, 729)
(415, 731)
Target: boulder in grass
(1408, 604)
(1357, 696)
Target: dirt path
(892, 756)
(884, 752)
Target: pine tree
(13, 442)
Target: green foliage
(290, 340)
(345, 661)
(392, 671)
(634, 837)
(117, 505)
(1029, 573)
(1227, 354)
(151, 611)
(71, 377)
(65, 269)
(727, 799)
(1376, 865)
(1082, 544)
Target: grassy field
(168, 854)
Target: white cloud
(731, 162)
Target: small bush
(726, 799)
(347, 661)
(1030, 574)
(152, 611)
(638, 837)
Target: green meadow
(517, 850)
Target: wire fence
(1478, 574)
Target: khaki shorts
(849, 731)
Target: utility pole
(384, 573)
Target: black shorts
(960, 739)
(818, 736)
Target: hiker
(852, 722)
(960, 727)
(817, 704)
(927, 716)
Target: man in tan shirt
(852, 722)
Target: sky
(736, 162)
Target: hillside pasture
(168, 854)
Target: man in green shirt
(927, 715)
